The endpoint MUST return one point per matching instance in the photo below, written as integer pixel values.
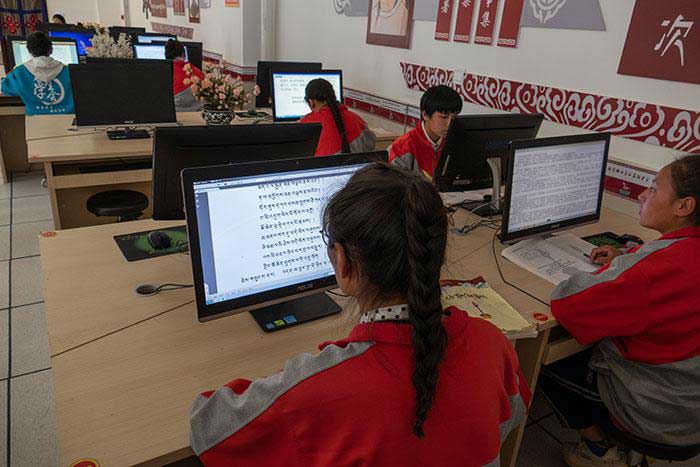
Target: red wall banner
(486, 22)
(510, 23)
(444, 20)
(465, 13)
(663, 41)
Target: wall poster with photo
(390, 23)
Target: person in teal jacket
(42, 83)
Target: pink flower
(256, 91)
(222, 88)
(195, 79)
(206, 84)
(222, 96)
(237, 92)
(186, 81)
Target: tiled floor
(27, 414)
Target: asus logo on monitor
(129, 121)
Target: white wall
(110, 12)
(577, 60)
(75, 10)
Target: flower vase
(215, 116)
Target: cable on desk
(500, 273)
(123, 328)
(150, 289)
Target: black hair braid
(321, 90)
(335, 110)
(425, 247)
(685, 176)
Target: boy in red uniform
(342, 131)
(643, 310)
(412, 385)
(419, 149)
(184, 99)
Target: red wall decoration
(465, 15)
(663, 41)
(653, 124)
(158, 9)
(510, 23)
(486, 22)
(443, 24)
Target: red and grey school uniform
(354, 403)
(184, 99)
(416, 151)
(644, 309)
(359, 137)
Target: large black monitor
(123, 94)
(289, 91)
(131, 32)
(554, 184)
(195, 146)
(264, 77)
(255, 242)
(64, 50)
(471, 142)
(82, 36)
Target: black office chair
(125, 205)
(646, 448)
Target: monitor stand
(297, 311)
(128, 133)
(493, 208)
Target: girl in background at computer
(58, 19)
(184, 98)
(412, 384)
(643, 311)
(343, 131)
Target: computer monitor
(194, 53)
(288, 91)
(175, 149)
(82, 36)
(554, 184)
(148, 37)
(475, 149)
(264, 73)
(149, 51)
(64, 50)
(131, 32)
(123, 94)
(255, 242)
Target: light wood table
(63, 151)
(126, 367)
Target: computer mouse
(159, 240)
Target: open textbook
(478, 300)
(554, 259)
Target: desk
(63, 152)
(13, 148)
(124, 399)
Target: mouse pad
(135, 246)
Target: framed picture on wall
(194, 11)
(390, 23)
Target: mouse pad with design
(135, 246)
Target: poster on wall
(443, 24)
(563, 14)
(423, 10)
(486, 22)
(465, 16)
(390, 23)
(194, 11)
(179, 7)
(204, 4)
(663, 41)
(510, 23)
(232, 3)
(158, 9)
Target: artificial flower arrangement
(104, 46)
(218, 90)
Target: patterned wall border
(653, 124)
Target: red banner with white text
(486, 22)
(443, 23)
(510, 23)
(465, 14)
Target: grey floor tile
(31, 209)
(33, 439)
(540, 450)
(4, 242)
(5, 190)
(30, 339)
(26, 281)
(5, 211)
(3, 422)
(28, 184)
(4, 284)
(4, 348)
(25, 238)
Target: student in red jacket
(184, 99)
(419, 149)
(412, 385)
(643, 311)
(343, 131)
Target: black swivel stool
(125, 205)
(646, 448)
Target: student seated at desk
(42, 83)
(419, 149)
(182, 85)
(342, 131)
(643, 310)
(412, 384)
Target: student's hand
(604, 254)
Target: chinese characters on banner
(158, 9)
(486, 22)
(510, 23)
(232, 3)
(663, 41)
(465, 13)
(444, 20)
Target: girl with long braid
(343, 131)
(412, 385)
